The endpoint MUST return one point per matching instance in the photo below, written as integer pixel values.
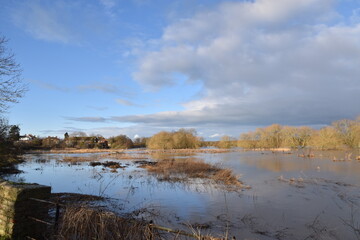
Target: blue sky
(137, 67)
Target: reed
(78, 223)
(182, 169)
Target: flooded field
(291, 196)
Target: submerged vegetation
(182, 169)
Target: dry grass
(182, 169)
(78, 223)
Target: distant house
(27, 137)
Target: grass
(83, 222)
(182, 169)
(80, 223)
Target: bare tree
(11, 85)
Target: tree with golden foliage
(271, 136)
(249, 140)
(297, 137)
(227, 142)
(349, 131)
(326, 138)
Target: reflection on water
(326, 205)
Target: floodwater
(291, 197)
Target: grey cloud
(87, 119)
(259, 62)
(60, 132)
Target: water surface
(291, 197)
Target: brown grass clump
(83, 222)
(182, 169)
(78, 223)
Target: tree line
(340, 134)
(79, 140)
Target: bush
(120, 142)
(181, 139)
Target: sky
(137, 67)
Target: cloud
(127, 103)
(67, 22)
(102, 87)
(49, 86)
(259, 62)
(87, 119)
(44, 22)
(216, 135)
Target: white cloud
(216, 135)
(259, 62)
(43, 22)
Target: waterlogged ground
(291, 197)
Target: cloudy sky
(137, 67)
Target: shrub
(181, 139)
(120, 142)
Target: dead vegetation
(182, 169)
(82, 222)
(109, 164)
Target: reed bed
(82, 222)
(182, 169)
(78, 223)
